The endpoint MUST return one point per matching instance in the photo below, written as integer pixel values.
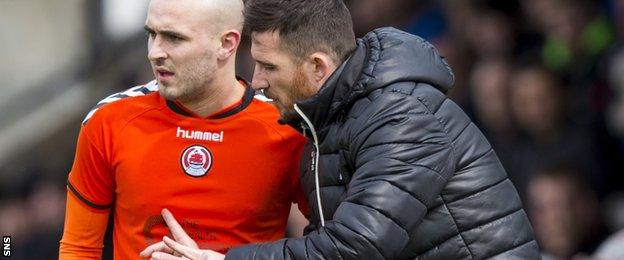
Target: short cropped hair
(304, 26)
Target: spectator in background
(371, 14)
(490, 34)
(34, 221)
(565, 212)
(15, 223)
(573, 30)
(614, 117)
(489, 92)
(476, 30)
(45, 211)
(615, 112)
(576, 35)
(489, 82)
(537, 104)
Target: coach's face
(181, 47)
(283, 77)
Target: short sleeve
(91, 179)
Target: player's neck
(220, 94)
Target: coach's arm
(402, 159)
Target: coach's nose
(259, 80)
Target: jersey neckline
(224, 113)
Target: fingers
(165, 256)
(156, 247)
(181, 249)
(176, 230)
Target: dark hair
(304, 26)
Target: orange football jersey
(229, 179)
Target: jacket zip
(316, 160)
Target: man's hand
(185, 252)
(182, 248)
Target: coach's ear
(319, 66)
(229, 43)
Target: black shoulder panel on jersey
(143, 90)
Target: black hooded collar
(382, 57)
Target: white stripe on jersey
(136, 91)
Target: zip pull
(304, 127)
(316, 160)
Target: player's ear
(230, 40)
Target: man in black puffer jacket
(395, 170)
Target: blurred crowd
(543, 79)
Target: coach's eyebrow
(266, 64)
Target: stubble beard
(190, 84)
(301, 89)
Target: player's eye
(174, 38)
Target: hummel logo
(199, 135)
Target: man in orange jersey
(195, 141)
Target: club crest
(196, 160)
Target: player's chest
(190, 154)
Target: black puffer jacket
(404, 173)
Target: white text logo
(199, 135)
(6, 246)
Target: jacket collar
(322, 107)
(382, 57)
